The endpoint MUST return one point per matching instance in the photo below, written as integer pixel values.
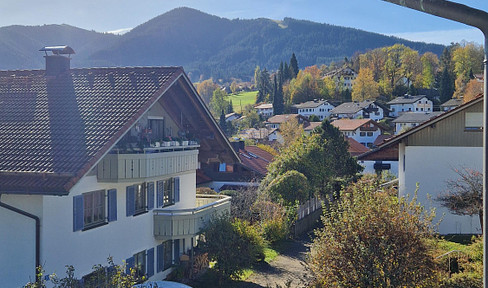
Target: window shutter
(129, 263)
(130, 201)
(112, 205)
(150, 195)
(177, 189)
(77, 213)
(150, 262)
(160, 195)
(160, 261)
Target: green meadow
(240, 100)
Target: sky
(369, 15)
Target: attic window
(473, 121)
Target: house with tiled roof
(409, 120)
(277, 120)
(249, 172)
(409, 103)
(364, 131)
(368, 109)
(319, 108)
(344, 76)
(265, 110)
(451, 104)
(100, 162)
(428, 156)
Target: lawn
(242, 99)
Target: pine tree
(222, 122)
(230, 107)
(293, 66)
(278, 105)
(286, 72)
(446, 88)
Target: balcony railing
(176, 224)
(147, 162)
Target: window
(473, 121)
(139, 198)
(370, 134)
(157, 128)
(362, 134)
(168, 192)
(164, 256)
(142, 263)
(94, 208)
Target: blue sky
(370, 15)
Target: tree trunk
(480, 214)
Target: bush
(234, 246)
(273, 220)
(373, 239)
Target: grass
(269, 255)
(242, 99)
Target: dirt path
(287, 270)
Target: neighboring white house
(319, 108)
(364, 131)
(409, 120)
(429, 154)
(408, 103)
(85, 172)
(265, 110)
(344, 76)
(276, 121)
(367, 109)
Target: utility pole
(479, 19)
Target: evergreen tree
(286, 72)
(264, 86)
(293, 66)
(446, 88)
(278, 94)
(222, 122)
(230, 107)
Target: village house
(429, 154)
(344, 76)
(265, 110)
(451, 104)
(408, 103)
(409, 120)
(367, 109)
(319, 108)
(364, 131)
(100, 162)
(277, 120)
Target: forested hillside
(205, 45)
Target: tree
(263, 85)
(446, 88)
(230, 107)
(430, 64)
(234, 246)
(218, 102)
(278, 101)
(290, 187)
(371, 238)
(206, 89)
(222, 122)
(473, 89)
(234, 87)
(364, 86)
(290, 130)
(464, 196)
(322, 157)
(293, 66)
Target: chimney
(56, 61)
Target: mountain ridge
(205, 45)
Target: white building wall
(422, 105)
(430, 167)
(18, 239)
(369, 167)
(365, 139)
(61, 246)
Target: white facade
(369, 166)
(322, 111)
(431, 167)
(422, 105)
(265, 110)
(366, 138)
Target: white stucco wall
(369, 167)
(431, 167)
(18, 239)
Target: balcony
(120, 166)
(176, 224)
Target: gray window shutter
(78, 213)
(177, 189)
(160, 259)
(112, 205)
(150, 195)
(160, 195)
(150, 262)
(130, 201)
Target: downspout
(479, 19)
(38, 231)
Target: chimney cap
(57, 50)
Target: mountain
(205, 45)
